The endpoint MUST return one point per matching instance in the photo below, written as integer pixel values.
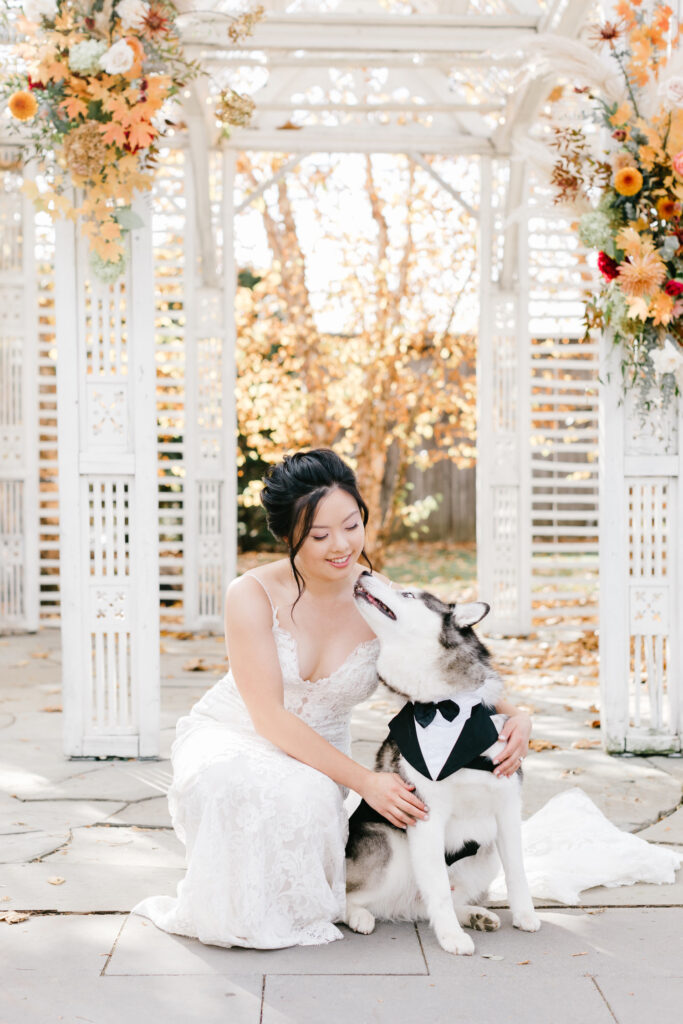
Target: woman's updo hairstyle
(293, 490)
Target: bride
(261, 763)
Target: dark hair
(293, 490)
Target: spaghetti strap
(270, 600)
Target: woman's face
(336, 539)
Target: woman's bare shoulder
(255, 585)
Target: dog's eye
(408, 593)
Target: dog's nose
(366, 572)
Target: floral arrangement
(96, 93)
(634, 192)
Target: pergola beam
(351, 33)
(410, 107)
(350, 139)
(215, 52)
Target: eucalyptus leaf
(127, 219)
(669, 247)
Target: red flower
(35, 85)
(608, 267)
(674, 287)
(619, 135)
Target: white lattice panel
(502, 494)
(110, 699)
(107, 464)
(208, 466)
(564, 480)
(641, 571)
(18, 399)
(649, 592)
(169, 236)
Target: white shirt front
(439, 737)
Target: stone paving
(83, 840)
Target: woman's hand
(393, 798)
(516, 733)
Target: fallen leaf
(195, 665)
(520, 963)
(594, 723)
(56, 880)
(40, 654)
(594, 709)
(586, 744)
(491, 956)
(584, 953)
(539, 745)
(13, 916)
(20, 664)
(568, 707)
(52, 707)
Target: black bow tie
(426, 712)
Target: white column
(19, 606)
(210, 441)
(503, 498)
(108, 520)
(641, 569)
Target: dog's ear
(469, 614)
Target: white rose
(37, 9)
(132, 13)
(118, 59)
(667, 359)
(671, 89)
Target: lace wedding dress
(264, 833)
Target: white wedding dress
(264, 833)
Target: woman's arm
(256, 669)
(516, 733)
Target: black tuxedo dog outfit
(477, 735)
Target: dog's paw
(480, 919)
(455, 942)
(360, 920)
(527, 920)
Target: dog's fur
(428, 651)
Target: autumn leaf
(113, 134)
(110, 230)
(539, 745)
(74, 107)
(661, 308)
(13, 916)
(141, 135)
(622, 115)
(56, 880)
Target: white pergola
(355, 78)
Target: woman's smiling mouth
(339, 563)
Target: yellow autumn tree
(396, 385)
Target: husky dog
(443, 741)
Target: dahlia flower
(23, 105)
(628, 181)
(642, 275)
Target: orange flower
(628, 181)
(667, 208)
(643, 275)
(23, 106)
